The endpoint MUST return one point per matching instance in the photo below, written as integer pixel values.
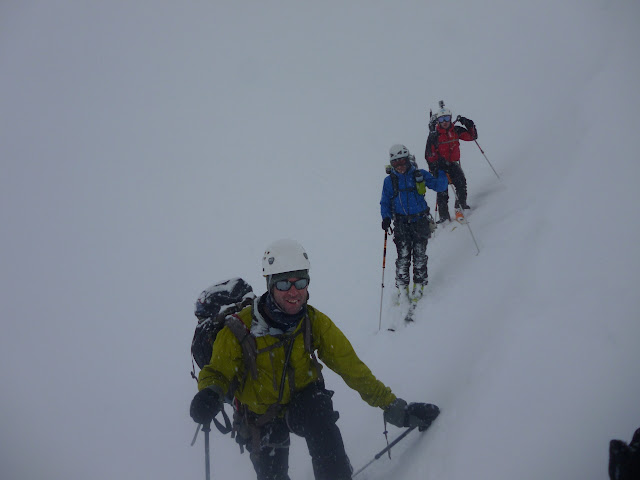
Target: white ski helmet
(442, 112)
(284, 256)
(397, 152)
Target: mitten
(205, 406)
(468, 124)
(413, 415)
(396, 413)
(421, 414)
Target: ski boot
(463, 204)
(402, 292)
(444, 217)
(418, 292)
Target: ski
(392, 328)
(412, 308)
(401, 302)
(408, 318)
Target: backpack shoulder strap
(247, 343)
(432, 140)
(396, 190)
(394, 184)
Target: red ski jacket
(446, 143)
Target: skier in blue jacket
(403, 202)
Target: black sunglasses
(285, 285)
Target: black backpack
(212, 307)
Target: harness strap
(274, 409)
(253, 422)
(288, 371)
(411, 218)
(308, 346)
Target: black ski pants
(459, 181)
(411, 236)
(310, 415)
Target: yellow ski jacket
(332, 348)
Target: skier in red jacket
(444, 142)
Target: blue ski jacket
(408, 201)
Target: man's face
(292, 300)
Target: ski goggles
(397, 162)
(285, 285)
(444, 118)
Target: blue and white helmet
(442, 112)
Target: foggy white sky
(149, 149)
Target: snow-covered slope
(148, 153)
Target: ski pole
(206, 428)
(466, 222)
(385, 450)
(482, 151)
(485, 157)
(384, 259)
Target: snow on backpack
(212, 308)
(215, 309)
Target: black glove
(468, 124)
(396, 413)
(442, 164)
(413, 415)
(386, 223)
(421, 414)
(205, 406)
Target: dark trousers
(411, 243)
(459, 181)
(310, 415)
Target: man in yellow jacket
(280, 388)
